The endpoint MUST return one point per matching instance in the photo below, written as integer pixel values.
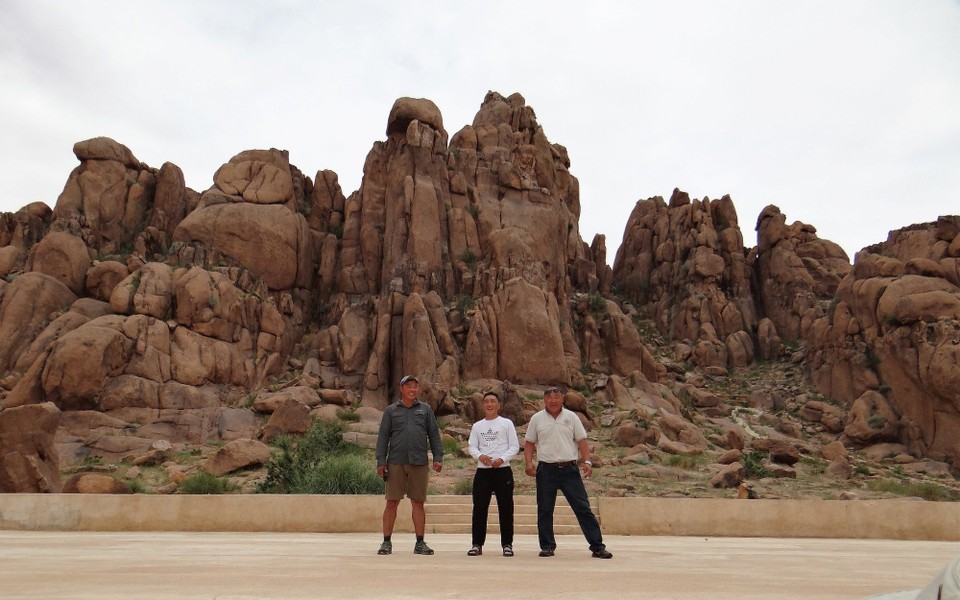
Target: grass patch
(348, 415)
(205, 483)
(451, 447)
(464, 487)
(685, 462)
(925, 490)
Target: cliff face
(139, 311)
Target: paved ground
(230, 566)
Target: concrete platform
(245, 565)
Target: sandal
(508, 550)
(475, 550)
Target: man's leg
(419, 518)
(482, 488)
(389, 517)
(572, 487)
(546, 501)
(504, 488)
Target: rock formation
(139, 313)
(889, 345)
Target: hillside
(149, 325)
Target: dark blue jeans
(567, 480)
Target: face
(491, 407)
(409, 391)
(553, 402)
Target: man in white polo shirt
(560, 442)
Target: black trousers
(487, 482)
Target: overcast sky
(845, 114)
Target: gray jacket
(403, 435)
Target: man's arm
(383, 438)
(436, 445)
(584, 449)
(528, 450)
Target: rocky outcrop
(684, 263)
(797, 272)
(889, 344)
(139, 312)
(28, 457)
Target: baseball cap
(551, 390)
(407, 378)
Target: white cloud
(841, 113)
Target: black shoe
(546, 552)
(421, 547)
(475, 550)
(385, 548)
(602, 553)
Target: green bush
(319, 462)
(597, 304)
(469, 257)
(752, 462)
(205, 483)
(341, 474)
(451, 447)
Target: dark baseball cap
(407, 378)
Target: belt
(558, 465)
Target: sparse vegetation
(469, 257)
(319, 462)
(348, 415)
(685, 462)
(465, 303)
(462, 390)
(463, 487)
(925, 490)
(597, 304)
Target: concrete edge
(858, 519)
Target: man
(405, 429)
(560, 441)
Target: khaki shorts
(407, 479)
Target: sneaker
(508, 550)
(475, 550)
(422, 548)
(385, 548)
(602, 553)
(546, 552)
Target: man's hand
(381, 471)
(530, 470)
(587, 470)
(437, 466)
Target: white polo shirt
(556, 439)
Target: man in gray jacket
(405, 429)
